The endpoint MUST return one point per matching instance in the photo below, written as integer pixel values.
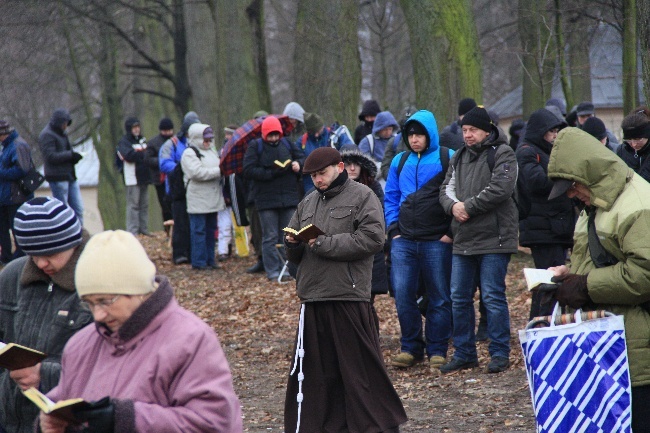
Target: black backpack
(520, 195)
(177, 187)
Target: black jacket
(127, 148)
(41, 313)
(548, 222)
(637, 161)
(151, 157)
(56, 149)
(273, 187)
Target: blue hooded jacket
(426, 220)
(383, 120)
(14, 163)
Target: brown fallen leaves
(256, 321)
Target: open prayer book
(306, 233)
(62, 409)
(14, 356)
(535, 277)
(282, 164)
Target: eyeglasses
(635, 140)
(104, 304)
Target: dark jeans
(544, 257)
(256, 230)
(273, 221)
(203, 227)
(165, 202)
(181, 234)
(492, 269)
(430, 260)
(7, 214)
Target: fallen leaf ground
(256, 322)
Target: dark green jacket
(493, 224)
(42, 313)
(622, 199)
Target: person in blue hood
(374, 144)
(418, 228)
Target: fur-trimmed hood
(362, 160)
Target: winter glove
(76, 157)
(572, 291)
(98, 416)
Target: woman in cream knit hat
(147, 363)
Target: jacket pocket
(65, 325)
(341, 219)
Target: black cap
(165, 124)
(320, 158)
(478, 117)
(560, 187)
(465, 105)
(585, 109)
(595, 127)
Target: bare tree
(643, 24)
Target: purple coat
(164, 370)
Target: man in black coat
(548, 229)
(166, 128)
(59, 161)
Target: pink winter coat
(164, 369)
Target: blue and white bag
(578, 375)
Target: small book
(14, 356)
(306, 233)
(63, 409)
(535, 277)
(282, 164)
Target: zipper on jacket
(354, 285)
(50, 286)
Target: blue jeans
(273, 221)
(432, 259)
(202, 230)
(491, 269)
(69, 193)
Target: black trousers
(165, 202)
(640, 408)
(181, 246)
(256, 230)
(7, 214)
(544, 257)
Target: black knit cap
(165, 124)
(415, 127)
(465, 105)
(595, 127)
(44, 226)
(320, 158)
(478, 117)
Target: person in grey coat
(485, 232)
(204, 195)
(39, 307)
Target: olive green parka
(622, 202)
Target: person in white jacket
(204, 196)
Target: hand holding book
(306, 233)
(15, 357)
(282, 164)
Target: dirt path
(256, 322)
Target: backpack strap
(444, 159)
(371, 142)
(304, 140)
(402, 161)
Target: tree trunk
(630, 70)
(327, 73)
(538, 54)
(110, 192)
(561, 53)
(446, 56)
(643, 24)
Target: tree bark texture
(327, 73)
(643, 24)
(446, 56)
(630, 67)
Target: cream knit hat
(114, 262)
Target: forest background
(105, 60)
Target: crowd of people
(404, 210)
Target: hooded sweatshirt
(132, 150)
(621, 200)
(56, 149)
(384, 120)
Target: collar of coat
(64, 278)
(336, 186)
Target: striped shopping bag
(578, 373)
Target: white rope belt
(300, 353)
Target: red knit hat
(269, 125)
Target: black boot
(256, 268)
